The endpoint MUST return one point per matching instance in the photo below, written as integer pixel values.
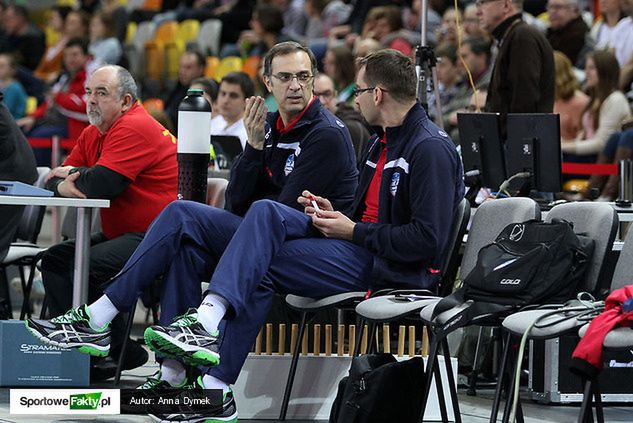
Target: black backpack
(380, 389)
(532, 262)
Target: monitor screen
(227, 148)
(533, 146)
(482, 149)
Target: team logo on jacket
(339, 123)
(290, 164)
(395, 180)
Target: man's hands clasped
(67, 187)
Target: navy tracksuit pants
(273, 249)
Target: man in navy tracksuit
(396, 233)
(302, 145)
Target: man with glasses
(395, 233)
(302, 146)
(568, 32)
(523, 76)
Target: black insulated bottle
(194, 127)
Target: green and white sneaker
(185, 339)
(72, 330)
(225, 413)
(155, 382)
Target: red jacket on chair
(587, 357)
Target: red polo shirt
(139, 148)
(370, 214)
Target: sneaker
(185, 339)
(155, 382)
(152, 391)
(227, 413)
(72, 330)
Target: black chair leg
(598, 400)
(510, 390)
(7, 289)
(371, 335)
(293, 369)
(155, 307)
(585, 407)
(500, 377)
(26, 289)
(452, 384)
(439, 386)
(360, 324)
(472, 378)
(44, 307)
(430, 365)
(126, 340)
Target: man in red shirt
(125, 156)
(64, 111)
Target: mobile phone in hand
(314, 204)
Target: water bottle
(194, 129)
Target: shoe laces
(151, 382)
(187, 319)
(73, 315)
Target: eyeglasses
(359, 91)
(286, 77)
(480, 3)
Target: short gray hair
(127, 84)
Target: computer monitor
(227, 148)
(482, 149)
(533, 146)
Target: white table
(82, 244)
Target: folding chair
(135, 50)
(209, 37)
(251, 66)
(490, 218)
(26, 253)
(599, 221)
(227, 65)
(617, 339)
(155, 50)
(348, 300)
(211, 67)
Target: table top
(53, 201)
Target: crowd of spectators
(593, 55)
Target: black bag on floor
(380, 389)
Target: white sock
(172, 371)
(210, 382)
(211, 312)
(102, 312)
